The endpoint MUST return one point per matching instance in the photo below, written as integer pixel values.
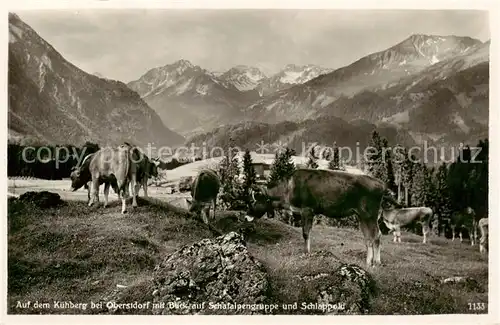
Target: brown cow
(465, 219)
(394, 219)
(80, 176)
(331, 193)
(483, 242)
(111, 166)
(204, 193)
(145, 169)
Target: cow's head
(77, 179)
(193, 205)
(261, 203)
(152, 168)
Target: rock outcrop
(346, 290)
(43, 199)
(212, 276)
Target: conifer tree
(418, 190)
(443, 201)
(282, 167)
(312, 160)
(376, 166)
(229, 172)
(334, 163)
(389, 166)
(250, 176)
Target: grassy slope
(80, 254)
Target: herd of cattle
(308, 192)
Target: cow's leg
(215, 208)
(425, 231)
(452, 233)
(397, 234)
(376, 250)
(369, 244)
(123, 196)
(123, 193)
(106, 193)
(88, 186)
(460, 235)
(137, 188)
(133, 181)
(95, 191)
(482, 244)
(372, 234)
(145, 187)
(127, 191)
(307, 216)
(205, 213)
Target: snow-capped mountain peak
(161, 78)
(242, 77)
(295, 74)
(289, 76)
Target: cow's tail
(127, 172)
(431, 219)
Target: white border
(494, 199)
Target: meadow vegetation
(80, 254)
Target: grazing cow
(80, 176)
(465, 219)
(145, 169)
(109, 165)
(331, 193)
(483, 228)
(203, 193)
(394, 219)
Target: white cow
(394, 219)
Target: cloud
(124, 44)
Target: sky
(123, 44)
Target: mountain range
(436, 88)
(426, 87)
(190, 99)
(53, 101)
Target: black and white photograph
(260, 161)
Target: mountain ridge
(55, 101)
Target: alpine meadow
(248, 162)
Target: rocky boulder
(346, 290)
(212, 276)
(43, 199)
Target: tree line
(46, 162)
(445, 188)
(54, 162)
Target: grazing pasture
(80, 253)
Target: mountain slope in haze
(300, 136)
(372, 71)
(189, 98)
(53, 100)
(288, 77)
(448, 101)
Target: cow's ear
(189, 200)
